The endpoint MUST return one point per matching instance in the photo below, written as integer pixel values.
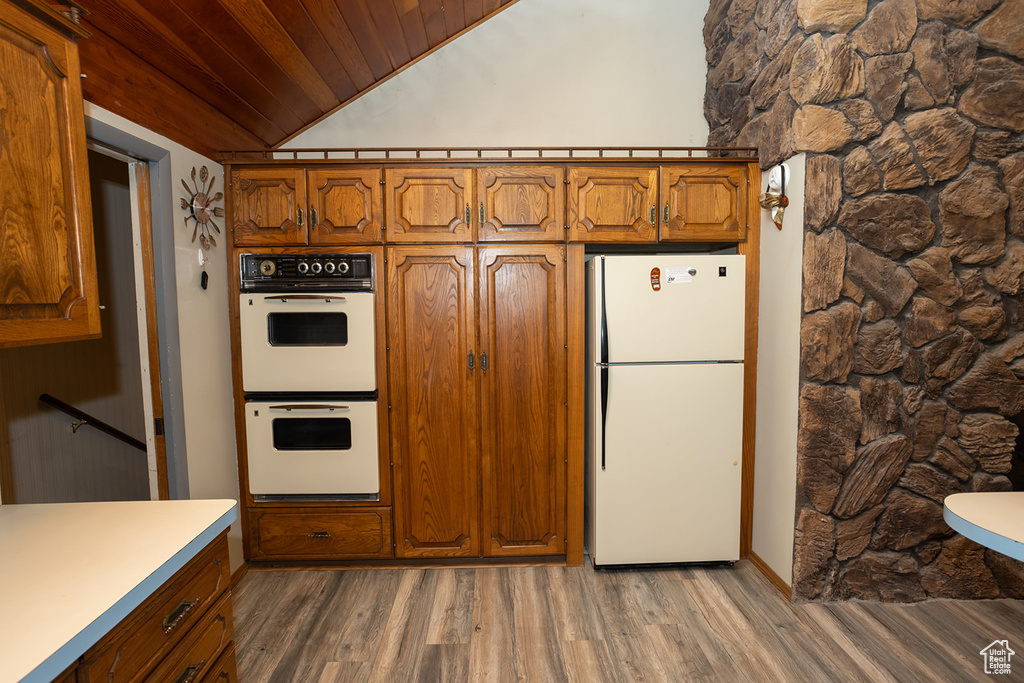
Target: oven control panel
(289, 272)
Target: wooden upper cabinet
(268, 206)
(521, 204)
(704, 202)
(429, 205)
(613, 204)
(48, 290)
(523, 392)
(431, 332)
(345, 205)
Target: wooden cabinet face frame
(429, 204)
(705, 202)
(48, 287)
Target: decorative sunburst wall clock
(200, 207)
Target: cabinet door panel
(522, 322)
(347, 205)
(521, 204)
(704, 203)
(612, 204)
(48, 288)
(431, 331)
(268, 206)
(429, 204)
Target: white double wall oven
(307, 336)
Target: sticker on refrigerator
(655, 279)
(678, 276)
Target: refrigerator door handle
(604, 409)
(604, 363)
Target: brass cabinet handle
(469, 215)
(483, 361)
(320, 534)
(654, 213)
(665, 213)
(174, 617)
(299, 212)
(471, 360)
(188, 674)
(312, 216)
(483, 214)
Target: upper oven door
(307, 342)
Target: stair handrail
(87, 420)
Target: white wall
(778, 370)
(567, 73)
(202, 318)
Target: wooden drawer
(225, 670)
(321, 534)
(146, 635)
(195, 656)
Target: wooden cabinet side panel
(523, 424)
(704, 202)
(521, 204)
(612, 204)
(269, 206)
(429, 205)
(347, 203)
(431, 332)
(48, 289)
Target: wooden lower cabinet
(320, 533)
(476, 339)
(177, 634)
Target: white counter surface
(70, 572)
(995, 519)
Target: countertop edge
(57, 663)
(990, 539)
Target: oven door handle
(309, 406)
(283, 298)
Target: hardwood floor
(549, 624)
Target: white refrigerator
(665, 339)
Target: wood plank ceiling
(250, 74)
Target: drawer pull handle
(189, 673)
(320, 534)
(172, 620)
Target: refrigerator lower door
(669, 490)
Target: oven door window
(312, 434)
(307, 329)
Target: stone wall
(912, 337)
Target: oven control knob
(268, 267)
(343, 267)
(316, 267)
(329, 267)
(303, 267)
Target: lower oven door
(326, 449)
(307, 342)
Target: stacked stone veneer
(912, 336)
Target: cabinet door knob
(483, 361)
(313, 221)
(471, 360)
(298, 212)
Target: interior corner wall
(778, 378)
(569, 73)
(202, 355)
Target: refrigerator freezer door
(674, 307)
(670, 487)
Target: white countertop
(995, 519)
(70, 572)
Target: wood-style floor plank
(553, 624)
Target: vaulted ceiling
(249, 74)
